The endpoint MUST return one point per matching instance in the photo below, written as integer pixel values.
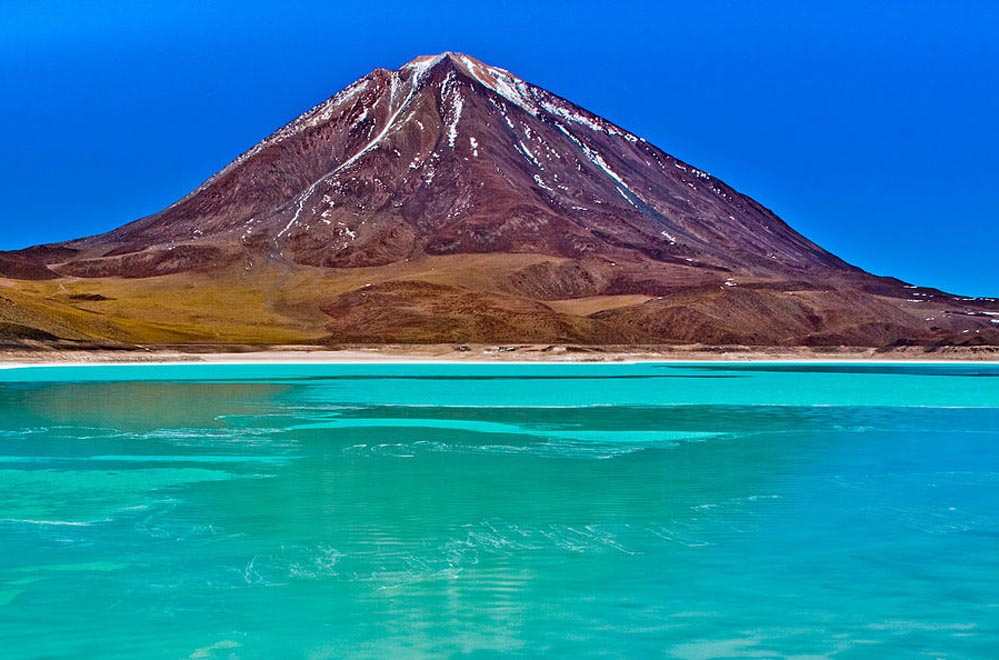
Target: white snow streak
(450, 88)
(527, 153)
(414, 82)
(541, 183)
(594, 157)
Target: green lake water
(687, 511)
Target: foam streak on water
(483, 511)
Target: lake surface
(685, 511)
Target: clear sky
(870, 127)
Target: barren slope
(452, 201)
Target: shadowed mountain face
(479, 207)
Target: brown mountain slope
(451, 201)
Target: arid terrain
(449, 202)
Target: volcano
(451, 201)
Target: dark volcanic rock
(448, 155)
(18, 266)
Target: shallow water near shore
(686, 511)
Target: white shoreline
(222, 359)
(485, 354)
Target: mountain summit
(478, 207)
(449, 155)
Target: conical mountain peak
(465, 62)
(448, 154)
(494, 78)
(447, 161)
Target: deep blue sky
(871, 127)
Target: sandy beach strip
(488, 354)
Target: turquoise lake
(687, 511)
